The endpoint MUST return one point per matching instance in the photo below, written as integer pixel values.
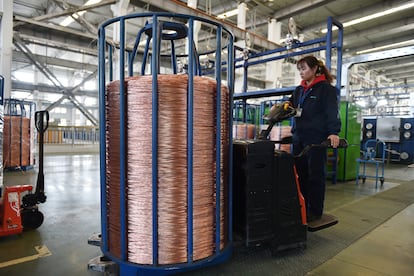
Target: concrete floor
(72, 215)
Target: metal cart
(373, 153)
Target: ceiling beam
(370, 45)
(175, 6)
(67, 93)
(45, 88)
(61, 45)
(18, 56)
(389, 64)
(69, 11)
(300, 7)
(379, 7)
(401, 27)
(399, 70)
(55, 27)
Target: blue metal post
(230, 84)
(173, 58)
(102, 135)
(190, 126)
(328, 53)
(154, 72)
(122, 147)
(218, 137)
(110, 57)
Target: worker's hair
(312, 62)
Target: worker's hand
(334, 140)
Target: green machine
(351, 131)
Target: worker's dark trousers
(312, 176)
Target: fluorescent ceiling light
(373, 16)
(393, 45)
(228, 14)
(76, 15)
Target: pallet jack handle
(42, 123)
(343, 143)
(39, 196)
(278, 113)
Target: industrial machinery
(396, 133)
(19, 205)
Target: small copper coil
(172, 168)
(278, 133)
(243, 131)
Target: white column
(241, 23)
(274, 68)
(6, 39)
(241, 16)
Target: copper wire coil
(225, 144)
(172, 168)
(16, 142)
(243, 131)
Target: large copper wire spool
(16, 141)
(172, 172)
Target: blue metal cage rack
(120, 54)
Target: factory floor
(374, 236)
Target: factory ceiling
(39, 23)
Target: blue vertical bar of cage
(245, 74)
(123, 140)
(145, 55)
(154, 72)
(339, 44)
(230, 85)
(1, 89)
(130, 69)
(328, 50)
(102, 135)
(190, 134)
(110, 56)
(134, 53)
(218, 136)
(173, 58)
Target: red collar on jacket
(315, 81)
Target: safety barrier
(72, 135)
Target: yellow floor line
(42, 251)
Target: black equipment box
(266, 206)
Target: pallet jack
(278, 113)
(268, 204)
(19, 205)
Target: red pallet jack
(19, 205)
(278, 113)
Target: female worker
(316, 120)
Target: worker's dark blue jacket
(320, 116)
